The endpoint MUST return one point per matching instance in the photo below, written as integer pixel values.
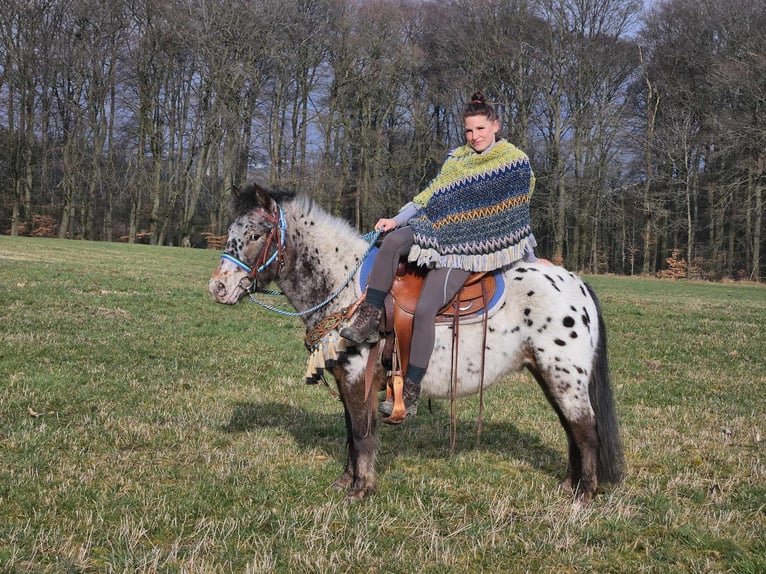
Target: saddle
(470, 303)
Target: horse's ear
(263, 197)
(250, 197)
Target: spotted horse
(549, 323)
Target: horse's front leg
(359, 477)
(346, 478)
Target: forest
(136, 120)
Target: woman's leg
(366, 322)
(396, 245)
(440, 286)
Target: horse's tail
(611, 459)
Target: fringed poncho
(475, 213)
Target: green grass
(144, 428)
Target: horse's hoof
(566, 485)
(358, 494)
(343, 482)
(584, 497)
(582, 500)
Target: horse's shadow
(428, 436)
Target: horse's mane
(253, 197)
(341, 229)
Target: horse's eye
(254, 236)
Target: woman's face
(480, 132)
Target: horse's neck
(324, 251)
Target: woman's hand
(385, 224)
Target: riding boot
(410, 394)
(364, 328)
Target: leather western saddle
(471, 302)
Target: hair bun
(478, 98)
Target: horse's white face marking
(244, 242)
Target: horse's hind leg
(583, 447)
(572, 405)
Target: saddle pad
(497, 298)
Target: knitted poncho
(475, 213)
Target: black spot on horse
(530, 293)
(560, 343)
(552, 281)
(573, 335)
(527, 311)
(568, 322)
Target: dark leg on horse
(344, 481)
(574, 462)
(586, 442)
(359, 476)
(582, 441)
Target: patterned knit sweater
(475, 213)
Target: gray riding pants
(440, 286)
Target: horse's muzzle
(226, 287)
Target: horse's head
(254, 246)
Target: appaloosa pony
(549, 322)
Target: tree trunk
(757, 189)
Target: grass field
(145, 429)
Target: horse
(550, 323)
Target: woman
(474, 216)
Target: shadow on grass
(428, 436)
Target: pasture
(144, 428)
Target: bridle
(276, 237)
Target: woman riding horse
(473, 217)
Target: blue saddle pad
(364, 277)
